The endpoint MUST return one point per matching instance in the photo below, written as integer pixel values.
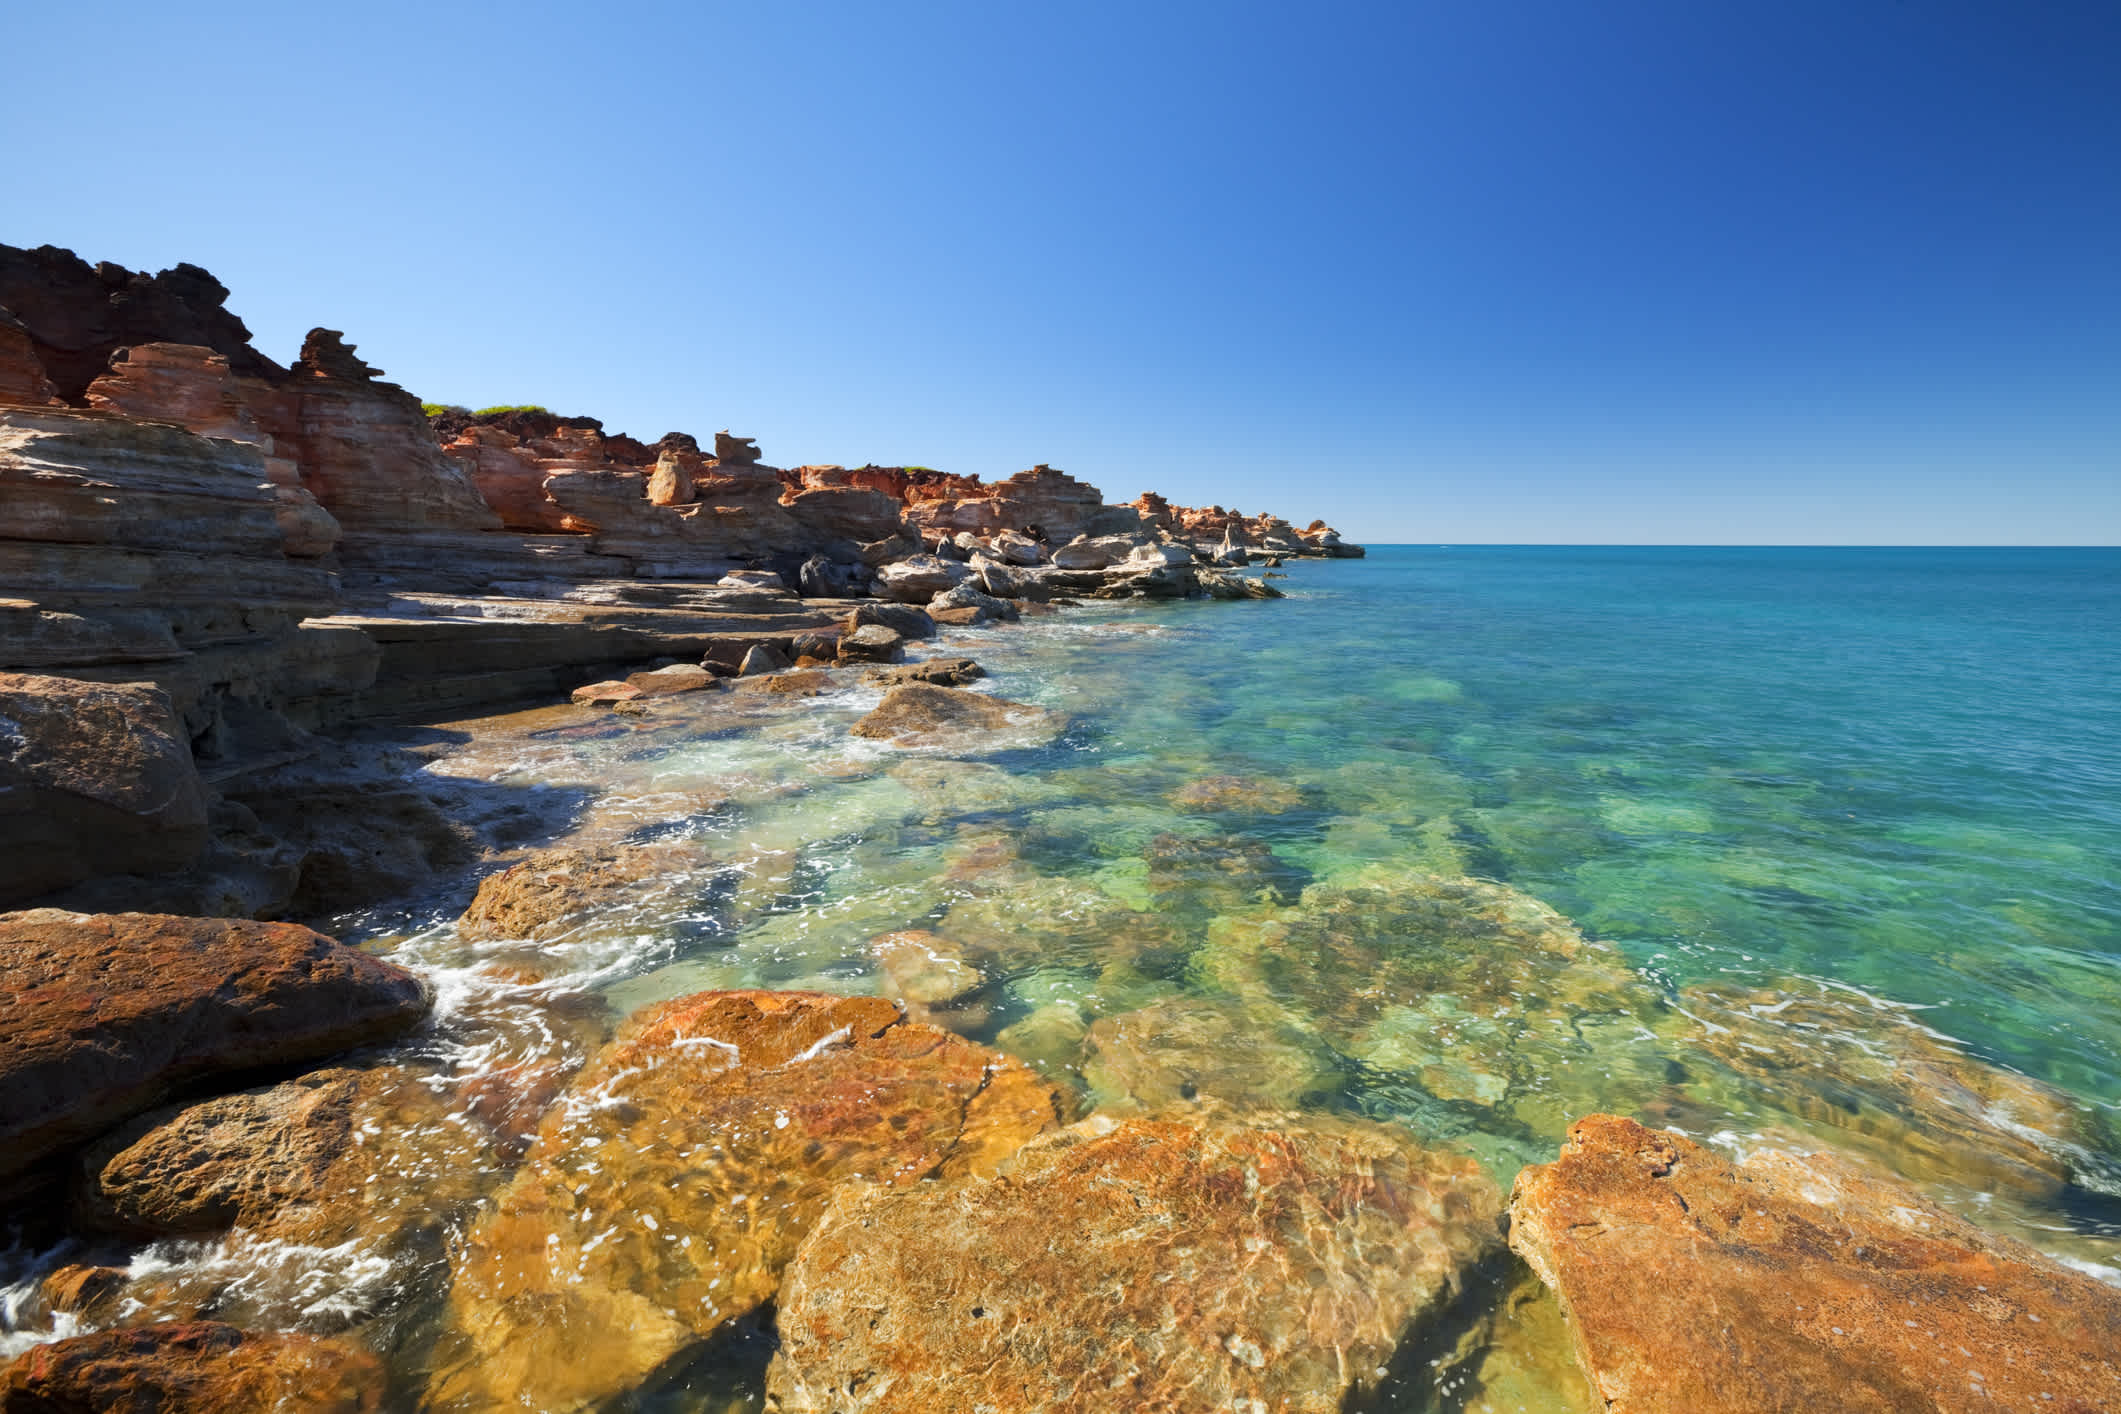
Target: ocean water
(1773, 846)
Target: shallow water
(1759, 844)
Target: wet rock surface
(1852, 1064)
(1798, 1282)
(202, 1367)
(923, 714)
(943, 672)
(1182, 1262)
(544, 895)
(667, 1190)
(104, 1016)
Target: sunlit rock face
(668, 1189)
(1852, 1065)
(109, 1015)
(1203, 1263)
(204, 1367)
(1797, 1282)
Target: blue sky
(1623, 272)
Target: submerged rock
(545, 895)
(670, 1186)
(943, 672)
(1696, 1286)
(1478, 993)
(107, 1015)
(1243, 795)
(1185, 1262)
(1865, 1067)
(1184, 1048)
(922, 714)
(197, 1368)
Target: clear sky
(1693, 271)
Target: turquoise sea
(1784, 846)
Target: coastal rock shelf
(869, 938)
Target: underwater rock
(922, 968)
(670, 1186)
(1841, 1058)
(1478, 993)
(543, 896)
(922, 714)
(95, 778)
(1695, 1286)
(1218, 873)
(943, 672)
(196, 1368)
(107, 1015)
(1184, 1262)
(1239, 795)
(1185, 1048)
(808, 682)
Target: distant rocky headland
(207, 558)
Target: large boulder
(906, 620)
(872, 643)
(1184, 1262)
(668, 1189)
(1696, 1285)
(922, 714)
(95, 778)
(919, 578)
(1086, 553)
(104, 1016)
(967, 596)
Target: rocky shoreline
(255, 602)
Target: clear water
(1820, 845)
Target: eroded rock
(669, 1188)
(922, 714)
(95, 778)
(943, 672)
(104, 1016)
(1697, 1286)
(201, 1367)
(546, 895)
(1184, 1262)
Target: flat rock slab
(1697, 1286)
(923, 714)
(105, 1015)
(1190, 1262)
(200, 1367)
(669, 1187)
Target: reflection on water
(1465, 846)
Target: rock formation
(665, 1194)
(108, 1015)
(1184, 1262)
(1695, 1285)
(202, 1367)
(95, 778)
